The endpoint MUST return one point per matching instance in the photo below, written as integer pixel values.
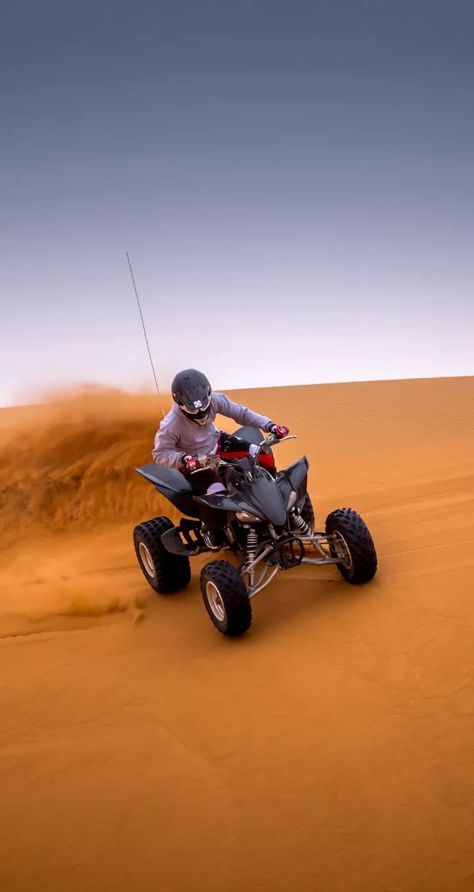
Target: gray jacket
(178, 436)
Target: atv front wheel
(352, 543)
(165, 572)
(226, 598)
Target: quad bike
(265, 519)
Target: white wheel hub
(147, 560)
(342, 550)
(214, 599)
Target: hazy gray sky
(293, 181)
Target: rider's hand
(279, 430)
(189, 464)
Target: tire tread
(360, 543)
(234, 594)
(173, 572)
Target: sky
(293, 181)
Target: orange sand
(328, 750)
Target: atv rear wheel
(226, 598)
(352, 544)
(165, 572)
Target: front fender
(294, 479)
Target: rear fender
(171, 484)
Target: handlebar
(272, 440)
(209, 461)
(215, 461)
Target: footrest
(185, 539)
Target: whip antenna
(144, 332)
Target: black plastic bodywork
(294, 479)
(172, 484)
(262, 495)
(185, 539)
(252, 435)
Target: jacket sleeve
(241, 414)
(166, 450)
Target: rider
(188, 430)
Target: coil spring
(252, 543)
(300, 524)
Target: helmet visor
(199, 408)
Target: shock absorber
(299, 524)
(252, 543)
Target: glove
(189, 464)
(279, 430)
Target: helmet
(192, 393)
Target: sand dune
(328, 749)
